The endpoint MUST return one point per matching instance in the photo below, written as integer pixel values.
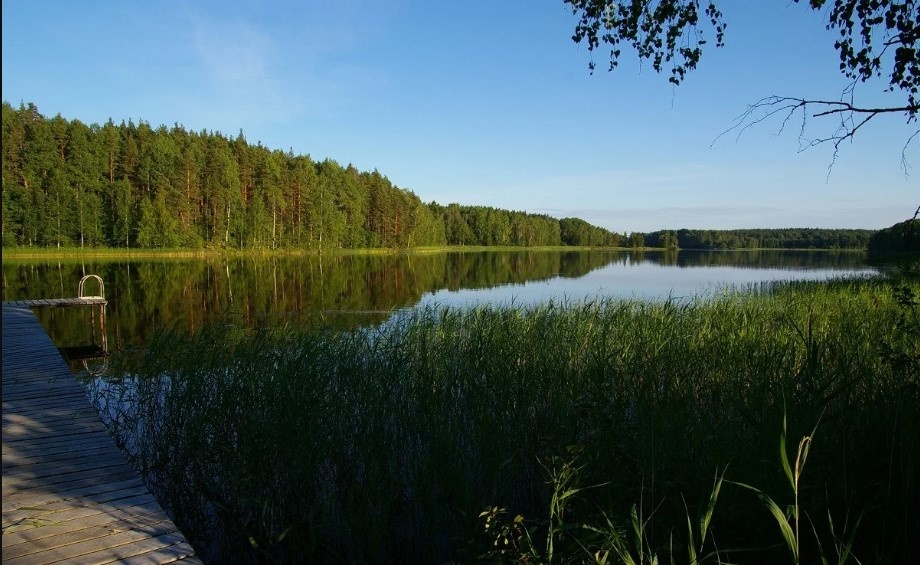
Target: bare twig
(904, 162)
(852, 119)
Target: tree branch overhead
(876, 41)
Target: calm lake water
(356, 290)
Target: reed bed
(564, 432)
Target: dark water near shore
(366, 290)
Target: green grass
(289, 443)
(45, 253)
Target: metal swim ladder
(100, 351)
(81, 288)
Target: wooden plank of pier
(68, 493)
(57, 302)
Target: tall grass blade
(691, 544)
(706, 518)
(783, 456)
(780, 517)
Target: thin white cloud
(236, 58)
(234, 53)
(259, 73)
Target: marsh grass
(287, 443)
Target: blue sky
(480, 102)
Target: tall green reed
(292, 443)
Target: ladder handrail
(83, 283)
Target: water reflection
(663, 276)
(364, 290)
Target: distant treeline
(789, 238)
(66, 183)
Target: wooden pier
(69, 495)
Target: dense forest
(66, 183)
(903, 237)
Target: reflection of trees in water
(576, 264)
(490, 269)
(339, 290)
(343, 290)
(758, 259)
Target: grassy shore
(50, 253)
(563, 432)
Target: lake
(348, 290)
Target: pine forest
(130, 186)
